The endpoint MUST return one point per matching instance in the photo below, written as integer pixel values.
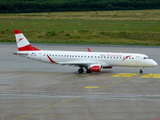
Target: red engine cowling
(95, 68)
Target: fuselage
(104, 58)
(91, 61)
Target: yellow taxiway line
(91, 87)
(133, 74)
(151, 76)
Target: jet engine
(95, 68)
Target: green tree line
(30, 6)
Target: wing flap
(83, 63)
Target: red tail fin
(22, 43)
(28, 48)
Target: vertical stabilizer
(22, 43)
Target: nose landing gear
(141, 70)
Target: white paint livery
(21, 40)
(91, 61)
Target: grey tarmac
(32, 90)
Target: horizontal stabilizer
(16, 53)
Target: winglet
(89, 50)
(22, 43)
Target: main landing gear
(141, 70)
(81, 70)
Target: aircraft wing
(78, 63)
(83, 63)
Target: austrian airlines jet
(91, 61)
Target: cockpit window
(146, 58)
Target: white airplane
(91, 61)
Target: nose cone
(154, 63)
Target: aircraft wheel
(141, 71)
(80, 70)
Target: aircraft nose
(154, 63)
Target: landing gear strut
(81, 70)
(87, 70)
(141, 70)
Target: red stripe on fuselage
(28, 48)
(51, 59)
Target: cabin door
(137, 59)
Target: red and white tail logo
(22, 43)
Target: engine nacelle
(95, 68)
